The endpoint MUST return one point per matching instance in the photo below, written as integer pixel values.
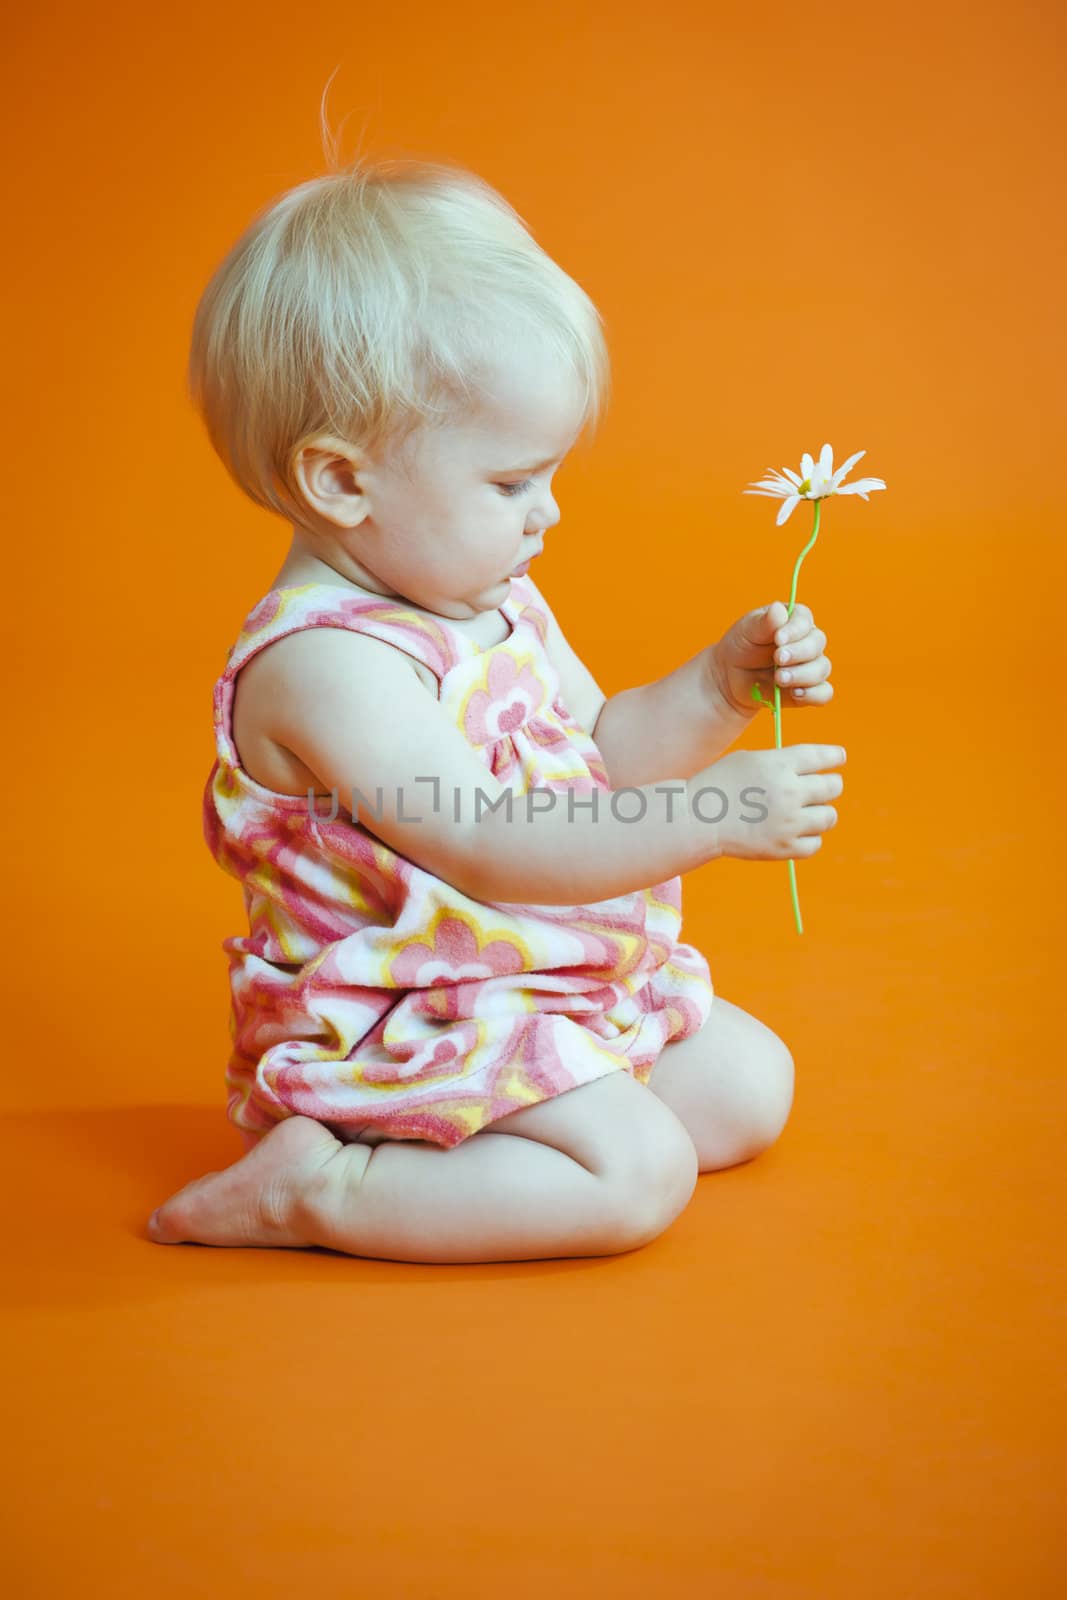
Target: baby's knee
(656, 1175)
(771, 1081)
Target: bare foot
(250, 1202)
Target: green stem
(778, 706)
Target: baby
(464, 1027)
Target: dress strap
(323, 605)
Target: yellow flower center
(805, 486)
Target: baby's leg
(731, 1085)
(598, 1169)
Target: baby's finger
(823, 786)
(798, 625)
(818, 696)
(816, 757)
(805, 675)
(807, 647)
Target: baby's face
(452, 514)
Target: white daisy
(817, 480)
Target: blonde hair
(369, 302)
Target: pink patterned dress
(370, 994)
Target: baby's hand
(790, 790)
(769, 645)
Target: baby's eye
(516, 488)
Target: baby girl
(463, 1025)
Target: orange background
(840, 1372)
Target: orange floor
(838, 1374)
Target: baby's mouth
(521, 568)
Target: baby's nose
(548, 518)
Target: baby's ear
(326, 471)
(323, 453)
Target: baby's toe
(180, 1217)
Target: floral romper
(370, 994)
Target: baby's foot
(252, 1201)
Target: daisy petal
(861, 486)
(807, 466)
(788, 507)
(826, 461)
(843, 472)
(792, 476)
(771, 494)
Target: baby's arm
(678, 724)
(352, 709)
